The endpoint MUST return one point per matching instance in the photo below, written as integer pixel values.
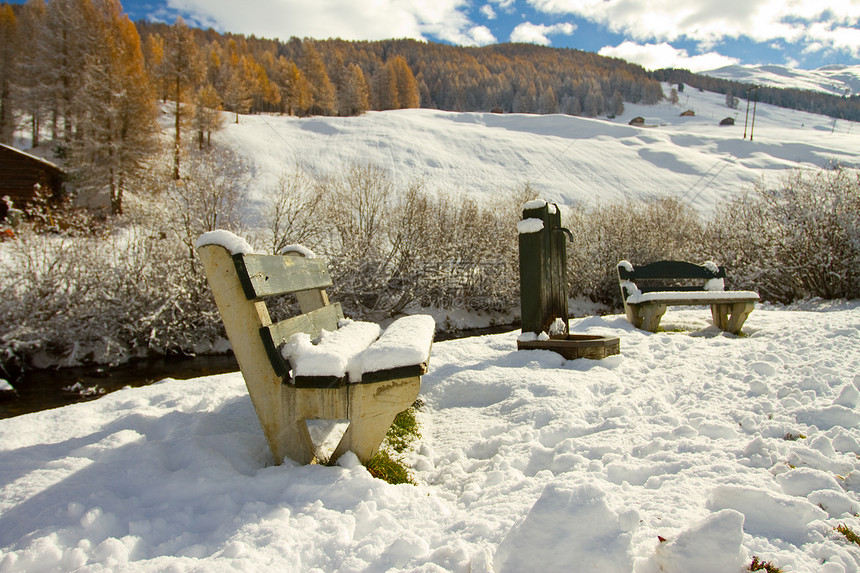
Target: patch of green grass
(404, 431)
(849, 533)
(766, 566)
(386, 468)
(793, 437)
(388, 463)
(674, 329)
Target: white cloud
(508, 6)
(488, 12)
(347, 19)
(834, 38)
(538, 33)
(656, 56)
(831, 22)
(475, 36)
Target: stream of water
(44, 389)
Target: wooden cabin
(20, 172)
(727, 121)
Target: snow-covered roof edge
(33, 157)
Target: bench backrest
(264, 276)
(670, 275)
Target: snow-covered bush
(795, 240)
(390, 248)
(132, 289)
(640, 231)
(68, 300)
(293, 216)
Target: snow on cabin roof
(33, 157)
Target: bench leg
(372, 409)
(645, 316)
(290, 434)
(633, 316)
(731, 316)
(720, 312)
(740, 312)
(651, 315)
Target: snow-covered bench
(316, 366)
(648, 289)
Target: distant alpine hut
(638, 120)
(20, 172)
(727, 121)
(688, 113)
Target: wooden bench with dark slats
(368, 398)
(648, 289)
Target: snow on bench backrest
(676, 276)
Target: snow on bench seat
(404, 344)
(357, 350)
(692, 297)
(334, 351)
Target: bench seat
(677, 298)
(360, 352)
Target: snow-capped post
(544, 289)
(543, 268)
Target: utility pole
(748, 110)
(755, 106)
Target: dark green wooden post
(543, 269)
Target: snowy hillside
(692, 450)
(836, 79)
(566, 159)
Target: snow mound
(566, 526)
(713, 545)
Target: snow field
(726, 447)
(566, 159)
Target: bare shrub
(391, 248)
(293, 213)
(796, 240)
(130, 290)
(639, 231)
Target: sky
(695, 34)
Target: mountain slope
(566, 159)
(836, 79)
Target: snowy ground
(566, 159)
(725, 447)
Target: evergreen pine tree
(28, 85)
(207, 115)
(353, 96)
